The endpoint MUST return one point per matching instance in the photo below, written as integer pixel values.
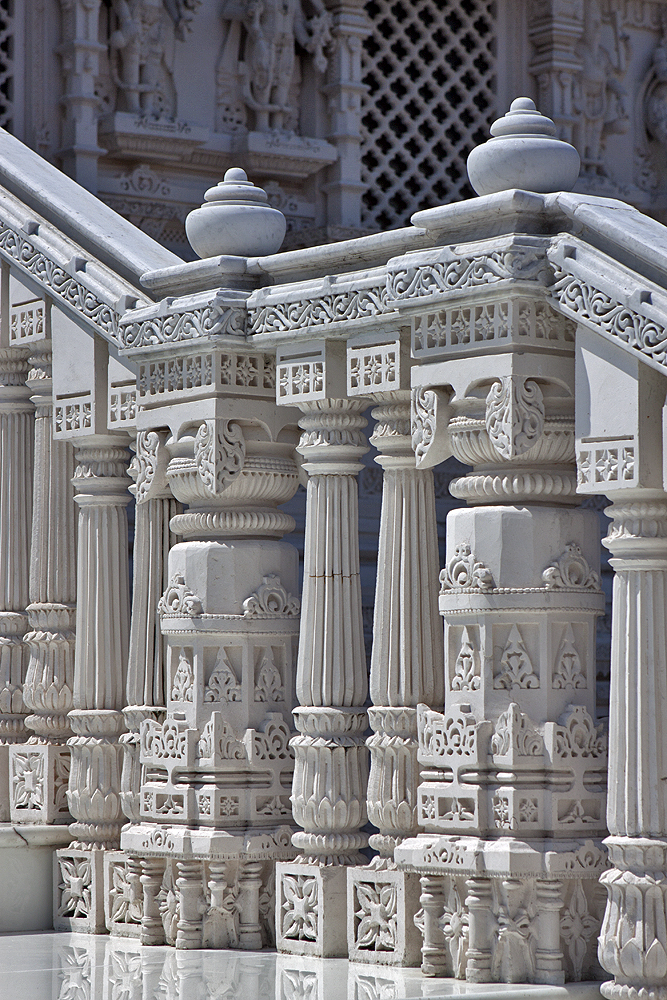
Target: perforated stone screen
(7, 63)
(430, 68)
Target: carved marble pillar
(40, 769)
(633, 939)
(16, 461)
(102, 627)
(331, 760)
(512, 794)
(406, 668)
(216, 772)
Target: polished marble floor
(49, 966)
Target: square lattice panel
(430, 70)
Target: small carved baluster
(190, 890)
(434, 950)
(548, 955)
(152, 929)
(250, 882)
(479, 903)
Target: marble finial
(235, 220)
(523, 152)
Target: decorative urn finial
(235, 220)
(523, 153)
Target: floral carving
(223, 685)
(219, 453)
(271, 599)
(571, 572)
(466, 669)
(567, 670)
(447, 735)
(516, 936)
(219, 317)
(515, 732)
(299, 909)
(269, 684)
(169, 904)
(518, 262)
(516, 668)
(578, 736)
(376, 916)
(183, 683)
(577, 927)
(178, 600)
(454, 925)
(514, 415)
(428, 424)
(329, 308)
(502, 813)
(125, 893)
(75, 887)
(28, 780)
(464, 572)
(273, 743)
(149, 465)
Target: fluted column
(40, 770)
(407, 664)
(331, 760)
(102, 626)
(146, 695)
(16, 461)
(406, 668)
(633, 938)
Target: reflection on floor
(81, 967)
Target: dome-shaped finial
(523, 153)
(235, 220)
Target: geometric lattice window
(430, 70)
(7, 64)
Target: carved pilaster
(79, 51)
(16, 460)
(633, 938)
(40, 773)
(102, 625)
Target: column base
(38, 777)
(511, 911)
(311, 911)
(78, 891)
(26, 876)
(381, 909)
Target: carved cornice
(222, 315)
(58, 280)
(319, 310)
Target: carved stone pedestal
(78, 891)
(381, 906)
(309, 902)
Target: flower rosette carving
(27, 789)
(300, 907)
(219, 453)
(514, 415)
(75, 887)
(376, 918)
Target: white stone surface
(235, 220)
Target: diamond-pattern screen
(430, 73)
(7, 64)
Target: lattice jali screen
(7, 63)
(430, 68)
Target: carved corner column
(79, 52)
(40, 768)
(145, 691)
(16, 461)
(102, 627)
(331, 760)
(512, 793)
(633, 939)
(406, 664)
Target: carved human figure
(601, 96)
(267, 47)
(137, 48)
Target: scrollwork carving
(571, 572)
(271, 599)
(178, 600)
(219, 454)
(464, 572)
(514, 415)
